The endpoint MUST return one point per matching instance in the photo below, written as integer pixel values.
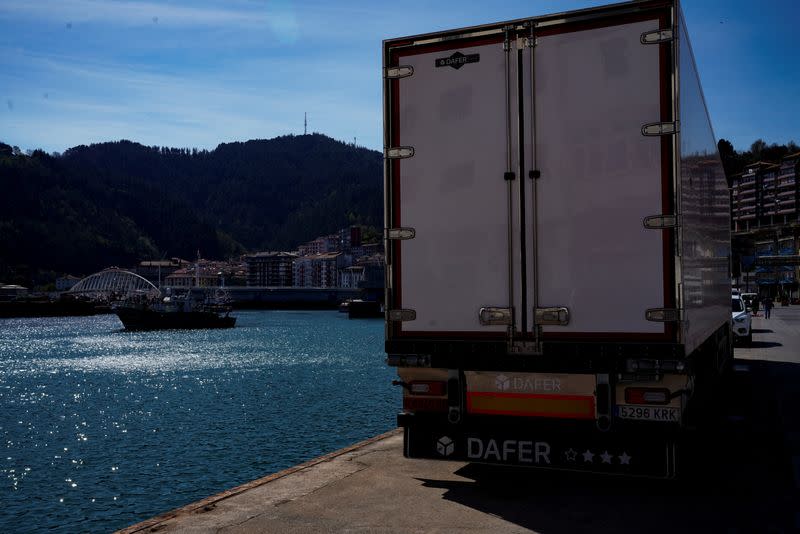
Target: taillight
(647, 395)
(427, 387)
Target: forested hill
(117, 203)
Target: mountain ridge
(119, 202)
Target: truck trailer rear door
(451, 151)
(522, 164)
(592, 91)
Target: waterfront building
(352, 276)
(235, 273)
(367, 250)
(320, 245)
(274, 269)
(349, 238)
(765, 195)
(786, 193)
(745, 188)
(185, 277)
(157, 270)
(65, 283)
(320, 270)
(769, 275)
(374, 271)
(765, 224)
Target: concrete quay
(746, 477)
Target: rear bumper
(631, 450)
(557, 357)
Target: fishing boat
(175, 311)
(365, 309)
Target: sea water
(101, 428)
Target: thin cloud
(136, 13)
(101, 101)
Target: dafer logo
(445, 446)
(502, 382)
(533, 383)
(457, 60)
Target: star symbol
(624, 459)
(606, 457)
(571, 455)
(588, 456)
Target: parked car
(741, 321)
(749, 300)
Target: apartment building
(765, 195)
(320, 245)
(765, 221)
(273, 269)
(320, 270)
(352, 276)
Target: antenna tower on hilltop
(305, 123)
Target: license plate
(669, 414)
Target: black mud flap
(619, 455)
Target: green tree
(757, 148)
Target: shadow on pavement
(739, 479)
(762, 331)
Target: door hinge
(657, 36)
(661, 128)
(508, 33)
(489, 316)
(664, 315)
(393, 73)
(558, 316)
(661, 222)
(401, 233)
(530, 42)
(399, 152)
(401, 315)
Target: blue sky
(197, 73)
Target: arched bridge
(113, 283)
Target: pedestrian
(768, 307)
(755, 307)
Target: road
(776, 339)
(747, 477)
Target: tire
(748, 341)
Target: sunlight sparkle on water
(193, 413)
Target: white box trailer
(557, 237)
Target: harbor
(528, 267)
(241, 297)
(102, 428)
(749, 483)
